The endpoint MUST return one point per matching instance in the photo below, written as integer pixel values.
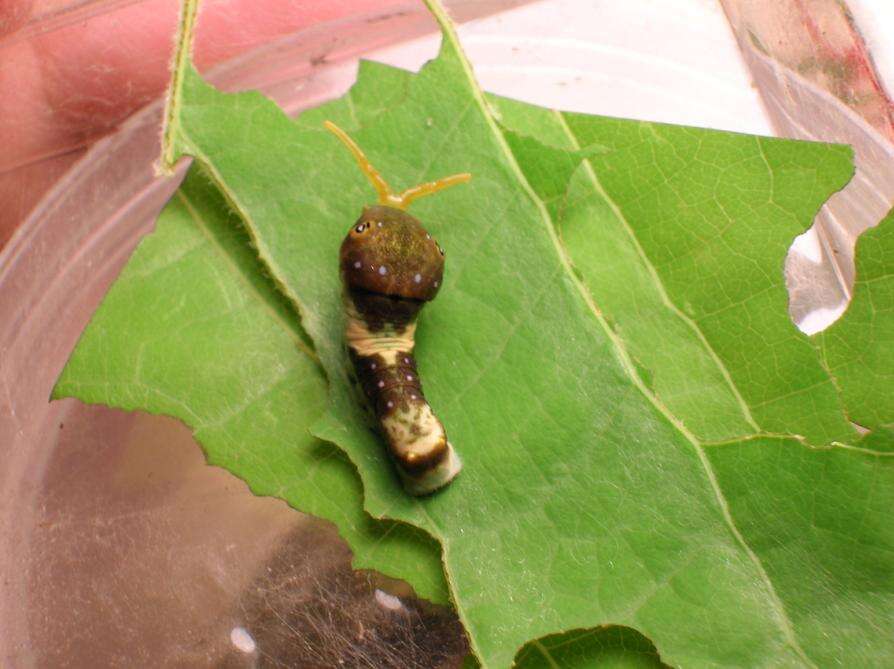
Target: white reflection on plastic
(240, 637)
(819, 319)
(387, 601)
(808, 245)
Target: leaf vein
(653, 274)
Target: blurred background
(118, 545)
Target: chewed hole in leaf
(610, 646)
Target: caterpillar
(390, 267)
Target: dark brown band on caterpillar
(380, 311)
(394, 392)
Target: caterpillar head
(387, 251)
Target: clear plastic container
(118, 545)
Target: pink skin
(72, 71)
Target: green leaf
(609, 347)
(679, 236)
(194, 329)
(859, 348)
(819, 522)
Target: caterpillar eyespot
(389, 271)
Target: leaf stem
(182, 59)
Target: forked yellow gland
(387, 196)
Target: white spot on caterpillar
(406, 361)
(357, 264)
(383, 270)
(373, 366)
(409, 377)
(381, 384)
(417, 278)
(413, 397)
(390, 404)
(380, 224)
(436, 284)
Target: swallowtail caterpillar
(390, 267)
